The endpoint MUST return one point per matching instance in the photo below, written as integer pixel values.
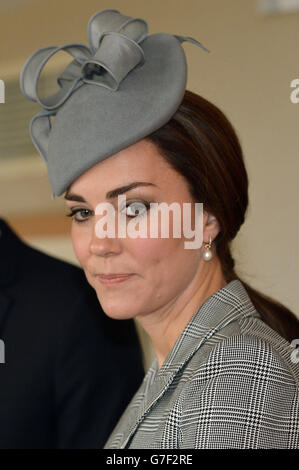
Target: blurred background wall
(254, 57)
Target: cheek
(162, 259)
(150, 252)
(166, 270)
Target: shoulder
(52, 293)
(55, 289)
(49, 269)
(245, 394)
(65, 292)
(252, 355)
(54, 297)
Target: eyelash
(75, 211)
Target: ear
(211, 227)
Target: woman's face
(161, 268)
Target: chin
(118, 310)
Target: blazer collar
(222, 308)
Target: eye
(136, 209)
(79, 215)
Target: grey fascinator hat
(120, 89)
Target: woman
(224, 375)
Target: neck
(166, 325)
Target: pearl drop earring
(207, 254)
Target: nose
(101, 246)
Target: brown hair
(200, 143)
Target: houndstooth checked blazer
(228, 382)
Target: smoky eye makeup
(79, 214)
(132, 209)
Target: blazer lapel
(222, 308)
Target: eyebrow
(111, 194)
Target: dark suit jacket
(65, 380)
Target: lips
(113, 276)
(110, 279)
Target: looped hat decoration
(121, 88)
